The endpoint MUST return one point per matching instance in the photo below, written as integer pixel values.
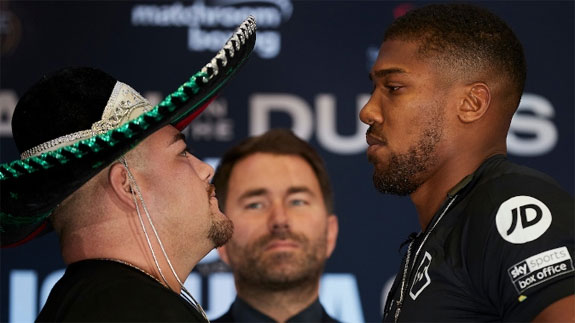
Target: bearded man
(276, 190)
(497, 238)
(134, 211)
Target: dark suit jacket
(250, 314)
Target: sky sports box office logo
(540, 268)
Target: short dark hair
(277, 142)
(467, 37)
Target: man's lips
(375, 143)
(211, 190)
(281, 244)
(372, 140)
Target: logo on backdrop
(210, 23)
(320, 117)
(532, 131)
(421, 279)
(522, 218)
(213, 124)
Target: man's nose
(278, 219)
(204, 170)
(370, 113)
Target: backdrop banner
(309, 72)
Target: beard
(277, 271)
(221, 228)
(404, 172)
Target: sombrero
(77, 142)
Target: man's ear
(223, 252)
(332, 232)
(475, 103)
(120, 183)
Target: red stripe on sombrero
(184, 122)
(31, 236)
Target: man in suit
(276, 190)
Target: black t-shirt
(107, 291)
(500, 248)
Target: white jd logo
(523, 213)
(421, 279)
(522, 218)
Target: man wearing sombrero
(134, 211)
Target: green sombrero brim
(31, 188)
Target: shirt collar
(243, 312)
(475, 175)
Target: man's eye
(254, 206)
(392, 88)
(298, 202)
(184, 153)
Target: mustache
(280, 235)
